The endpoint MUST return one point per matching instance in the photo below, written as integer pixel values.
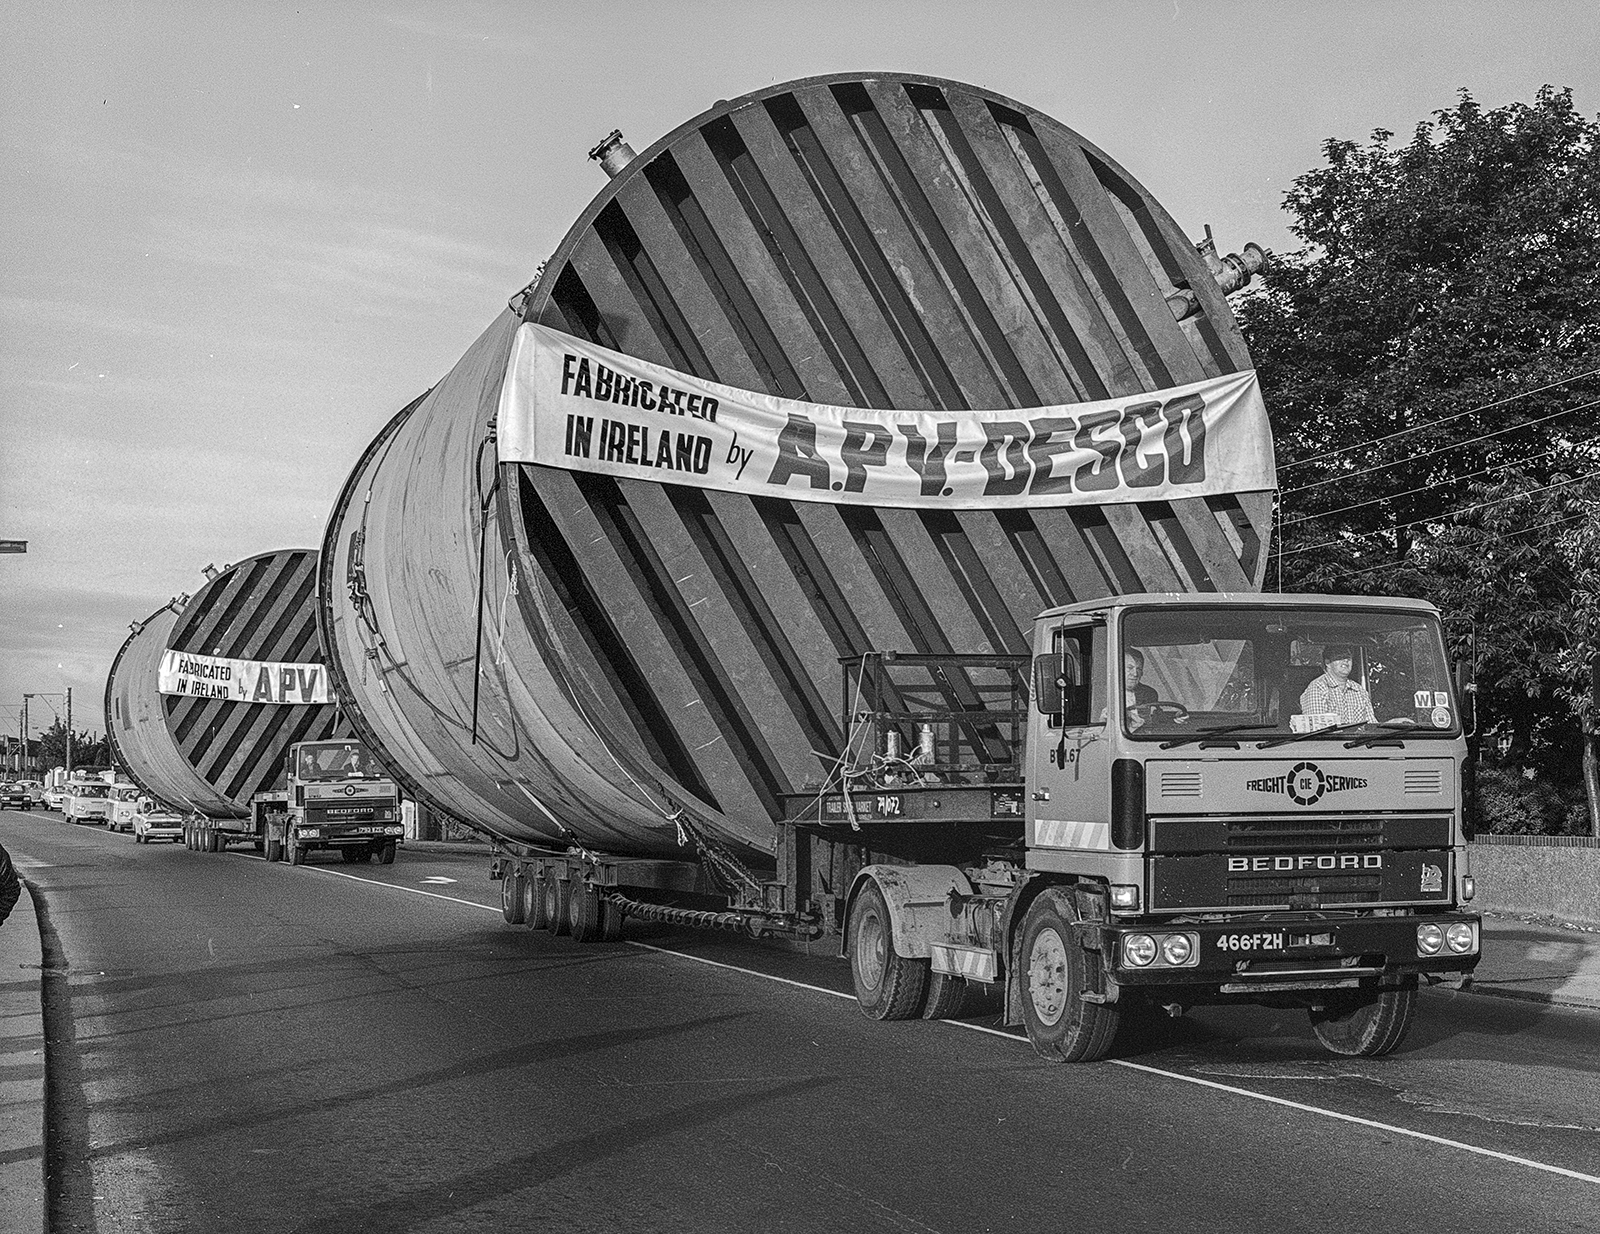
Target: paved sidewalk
(21, 1071)
(1541, 961)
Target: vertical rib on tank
(883, 241)
(213, 755)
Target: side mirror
(1049, 684)
(1466, 695)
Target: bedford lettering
(1305, 862)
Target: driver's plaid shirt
(1346, 699)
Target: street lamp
(41, 694)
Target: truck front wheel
(1062, 1027)
(1366, 1029)
(889, 986)
(273, 849)
(386, 854)
(297, 854)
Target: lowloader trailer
(889, 388)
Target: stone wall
(1546, 876)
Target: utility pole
(69, 732)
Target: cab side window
(1067, 680)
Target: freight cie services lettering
(1112, 446)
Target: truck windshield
(1283, 671)
(336, 760)
(89, 790)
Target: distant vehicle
(54, 797)
(15, 796)
(124, 801)
(87, 801)
(154, 821)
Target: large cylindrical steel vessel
(213, 754)
(634, 653)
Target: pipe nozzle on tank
(1234, 271)
(613, 154)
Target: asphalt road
(244, 1047)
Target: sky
(235, 238)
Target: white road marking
(1115, 1062)
(437, 879)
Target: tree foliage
(1431, 362)
(87, 749)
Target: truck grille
(1314, 833)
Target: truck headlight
(1176, 950)
(1430, 939)
(1461, 938)
(1138, 950)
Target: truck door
(1068, 763)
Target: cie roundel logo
(1305, 784)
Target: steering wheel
(1145, 712)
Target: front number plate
(1250, 942)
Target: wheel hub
(1047, 976)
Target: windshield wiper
(1317, 732)
(1215, 730)
(1390, 730)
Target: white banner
(568, 403)
(242, 681)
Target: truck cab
(1252, 798)
(336, 796)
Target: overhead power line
(1507, 535)
(1471, 411)
(1344, 477)
(1423, 488)
(1417, 522)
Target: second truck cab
(335, 796)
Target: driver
(1135, 693)
(1336, 692)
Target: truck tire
(1062, 1027)
(557, 893)
(536, 917)
(584, 907)
(219, 842)
(945, 996)
(511, 897)
(297, 853)
(353, 853)
(1366, 1029)
(386, 854)
(889, 986)
(272, 850)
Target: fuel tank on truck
(850, 364)
(208, 693)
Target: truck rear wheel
(386, 854)
(1366, 1029)
(889, 986)
(511, 897)
(1062, 1027)
(583, 904)
(945, 996)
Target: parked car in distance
(54, 796)
(15, 796)
(153, 821)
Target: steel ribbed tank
(213, 754)
(633, 649)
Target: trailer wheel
(297, 853)
(557, 903)
(583, 903)
(386, 854)
(273, 850)
(1366, 1029)
(1061, 1026)
(611, 919)
(219, 842)
(511, 897)
(889, 986)
(536, 917)
(945, 996)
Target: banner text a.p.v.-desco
(572, 404)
